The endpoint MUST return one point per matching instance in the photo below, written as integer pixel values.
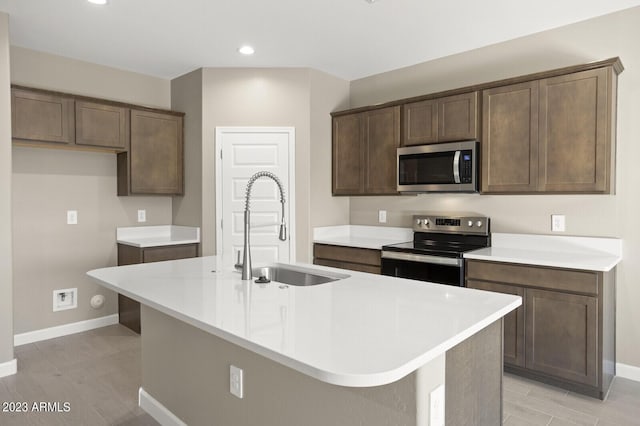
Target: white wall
(597, 215)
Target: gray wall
(6, 306)
(300, 98)
(597, 215)
(186, 96)
(48, 254)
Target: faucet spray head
(283, 232)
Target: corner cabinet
(564, 332)
(364, 152)
(551, 135)
(154, 161)
(451, 118)
(42, 117)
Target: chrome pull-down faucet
(246, 256)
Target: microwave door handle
(456, 167)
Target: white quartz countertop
(371, 237)
(585, 253)
(153, 236)
(364, 330)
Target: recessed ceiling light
(246, 50)
(100, 2)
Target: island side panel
(474, 379)
(187, 370)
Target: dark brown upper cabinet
(101, 125)
(154, 162)
(41, 117)
(553, 135)
(510, 138)
(451, 118)
(364, 152)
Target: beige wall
(47, 253)
(6, 288)
(598, 215)
(328, 94)
(186, 96)
(299, 98)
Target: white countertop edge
(335, 378)
(158, 235)
(604, 264)
(361, 236)
(559, 243)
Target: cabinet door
(513, 322)
(510, 138)
(458, 117)
(156, 153)
(41, 117)
(102, 125)
(420, 122)
(158, 254)
(381, 139)
(575, 132)
(347, 155)
(562, 335)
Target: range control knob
(470, 223)
(479, 223)
(418, 222)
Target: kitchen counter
(364, 330)
(584, 253)
(369, 237)
(155, 236)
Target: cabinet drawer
(574, 281)
(347, 254)
(158, 254)
(348, 265)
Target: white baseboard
(158, 411)
(9, 368)
(64, 330)
(628, 371)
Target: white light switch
(142, 215)
(557, 223)
(382, 216)
(72, 217)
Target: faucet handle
(238, 264)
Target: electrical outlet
(142, 215)
(72, 217)
(235, 381)
(382, 216)
(557, 223)
(436, 406)
(65, 299)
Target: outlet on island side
(64, 299)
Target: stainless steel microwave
(443, 167)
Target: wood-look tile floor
(98, 372)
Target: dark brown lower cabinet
(352, 258)
(564, 332)
(129, 309)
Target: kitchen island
(364, 349)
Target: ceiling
(346, 38)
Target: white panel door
(243, 152)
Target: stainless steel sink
(295, 275)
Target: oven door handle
(422, 258)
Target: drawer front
(347, 254)
(158, 254)
(346, 265)
(574, 281)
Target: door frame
(290, 185)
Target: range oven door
(436, 269)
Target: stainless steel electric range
(436, 252)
